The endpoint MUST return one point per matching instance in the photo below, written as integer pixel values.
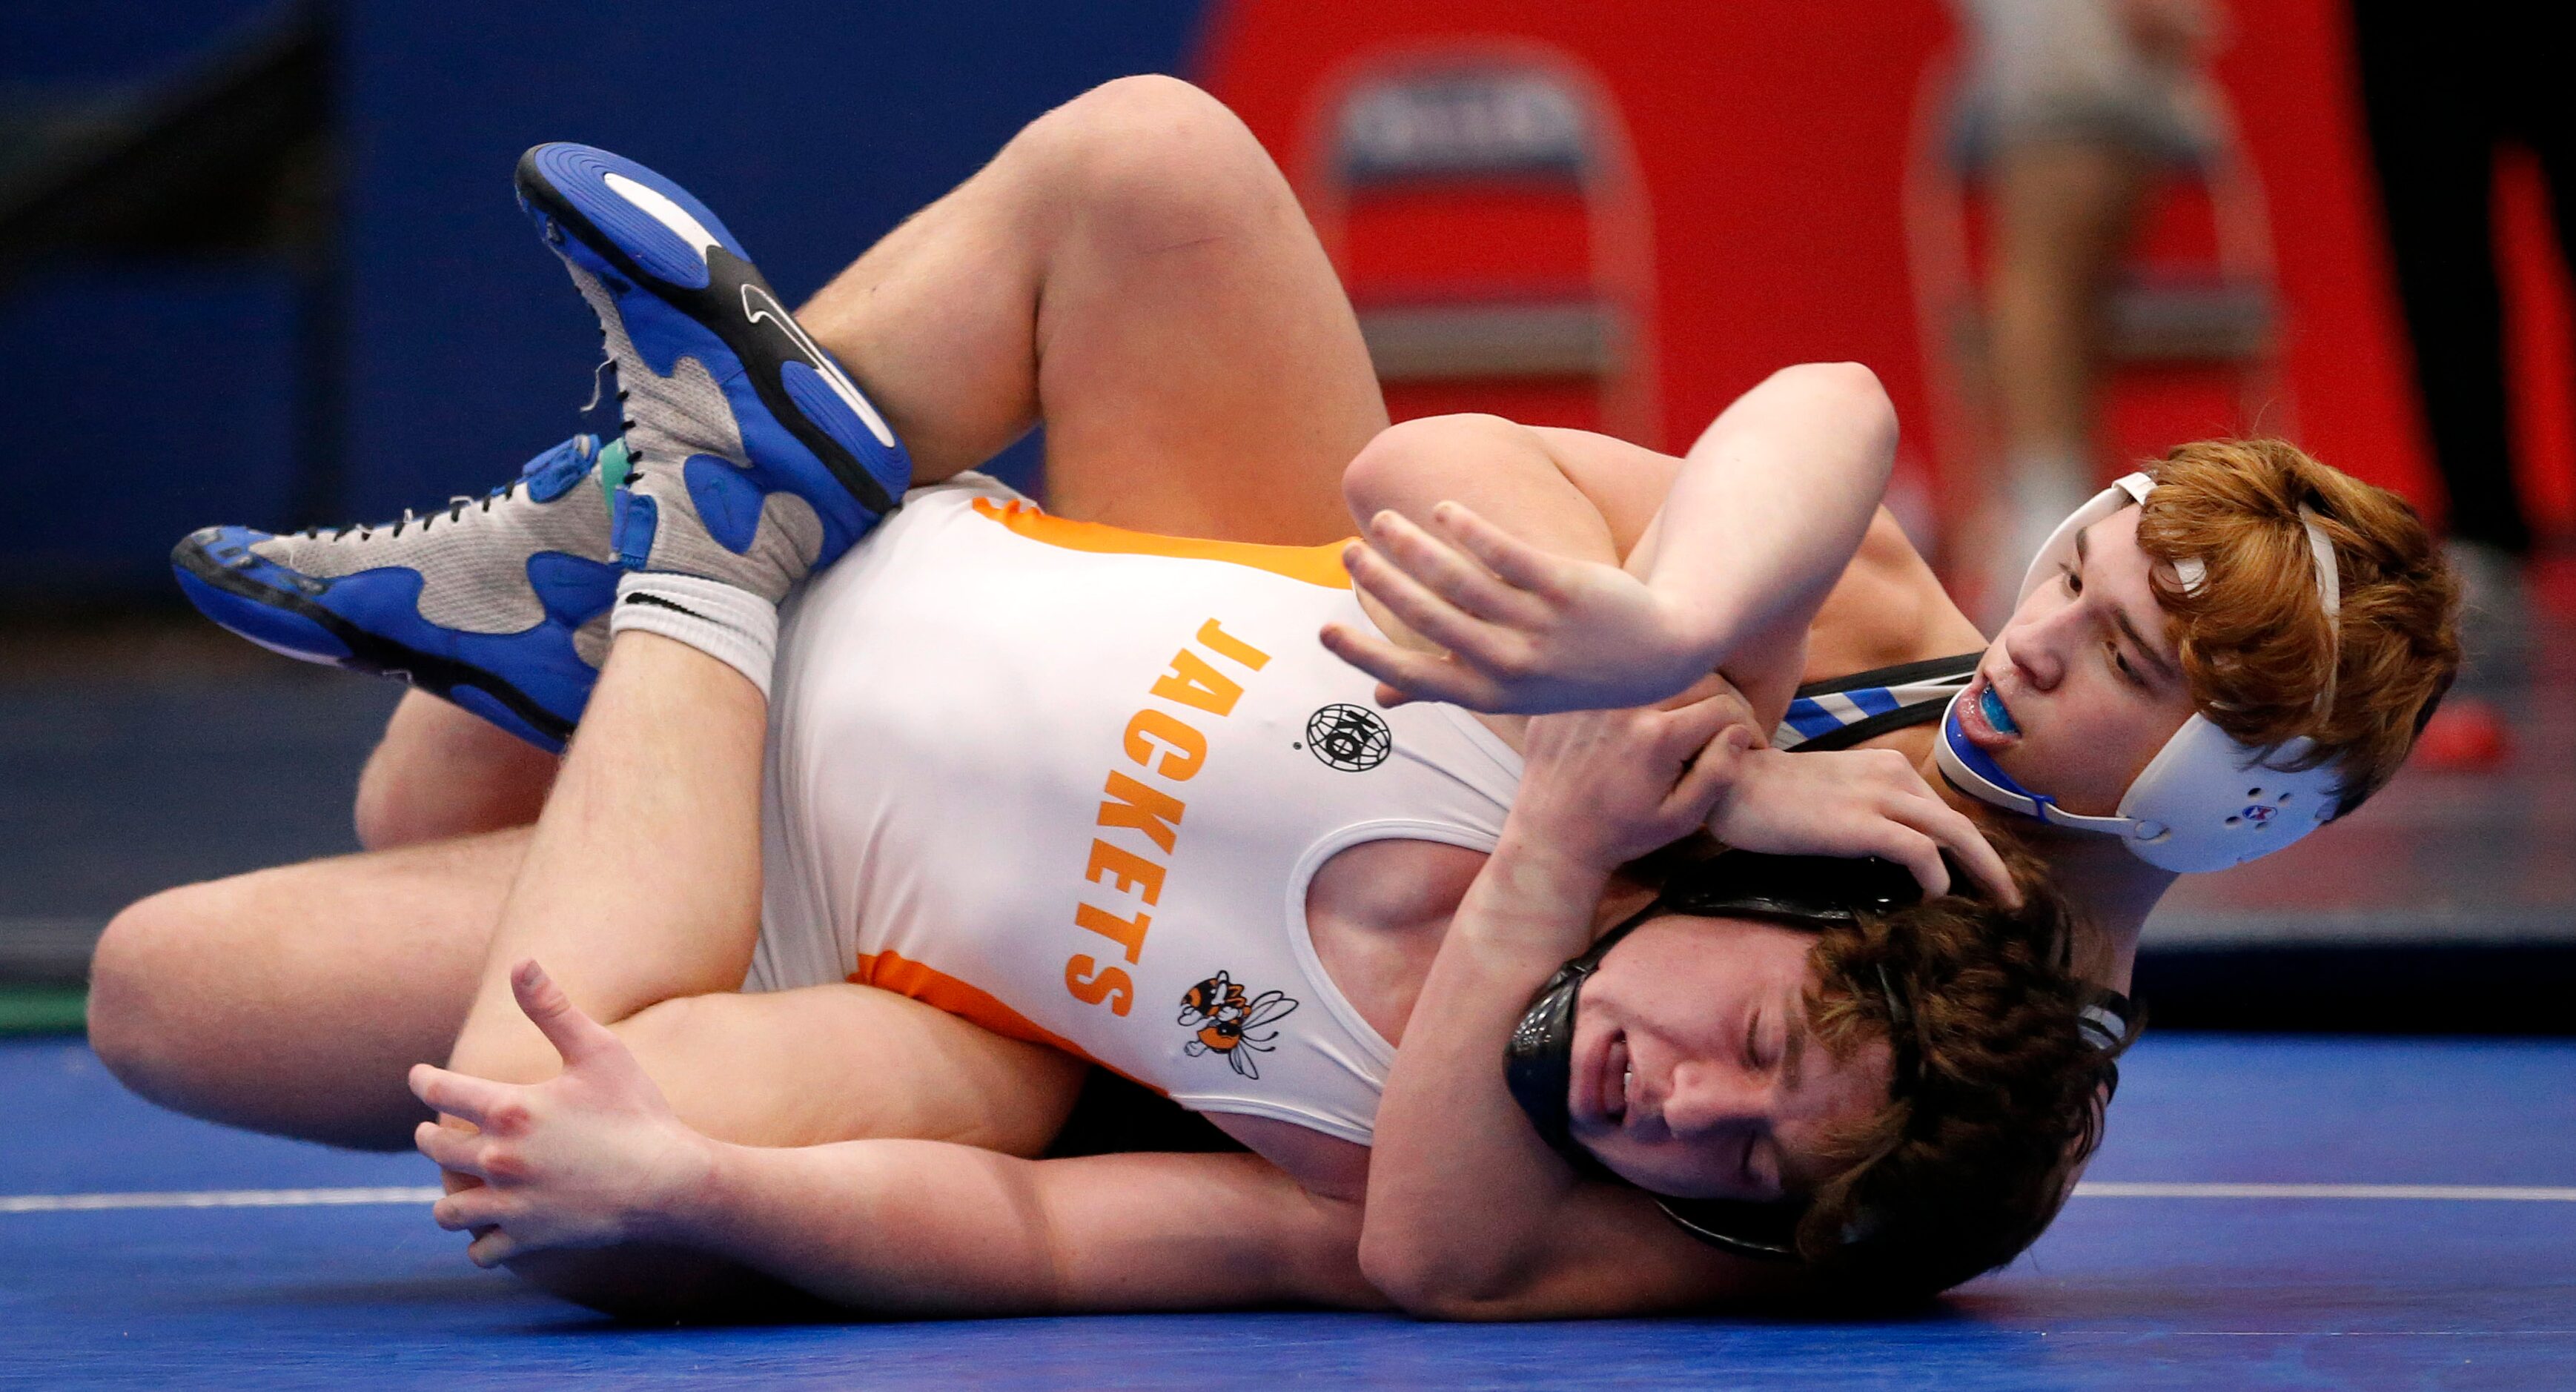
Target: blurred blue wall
(813, 129)
(136, 401)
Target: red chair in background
(1482, 204)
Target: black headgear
(1813, 892)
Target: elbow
(1412, 464)
(1427, 1282)
(1852, 395)
(1850, 379)
(1858, 389)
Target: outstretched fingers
(1421, 609)
(1406, 675)
(1520, 565)
(1918, 853)
(459, 1095)
(459, 1152)
(491, 1247)
(1448, 572)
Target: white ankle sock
(734, 626)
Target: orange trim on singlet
(1315, 565)
(888, 971)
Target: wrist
(1704, 627)
(700, 1177)
(1535, 894)
(1541, 858)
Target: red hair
(2255, 642)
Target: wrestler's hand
(588, 1158)
(1852, 802)
(1603, 787)
(1525, 631)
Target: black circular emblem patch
(1353, 739)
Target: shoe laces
(601, 376)
(456, 504)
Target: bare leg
(1132, 267)
(293, 1000)
(441, 771)
(1133, 270)
(641, 884)
(641, 881)
(2064, 211)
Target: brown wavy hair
(2256, 649)
(1973, 1156)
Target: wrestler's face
(2085, 677)
(1695, 1074)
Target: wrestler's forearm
(1766, 511)
(1461, 1190)
(1470, 1216)
(928, 1228)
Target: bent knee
(1147, 109)
(139, 1004)
(1154, 161)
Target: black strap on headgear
(1812, 892)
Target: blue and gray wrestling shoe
(499, 604)
(754, 459)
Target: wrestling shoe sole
(292, 624)
(686, 288)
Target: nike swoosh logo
(758, 304)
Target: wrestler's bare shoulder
(1888, 608)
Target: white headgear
(2205, 802)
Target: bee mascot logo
(1228, 1024)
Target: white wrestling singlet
(1070, 782)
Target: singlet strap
(1919, 713)
(1903, 674)
(1872, 703)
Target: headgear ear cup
(2206, 801)
(1812, 892)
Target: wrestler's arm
(1722, 558)
(1470, 1215)
(929, 1228)
(596, 1157)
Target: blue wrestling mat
(2267, 1213)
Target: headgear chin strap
(2206, 801)
(1810, 892)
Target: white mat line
(2113, 1189)
(219, 1198)
(2095, 1189)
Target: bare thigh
(1133, 270)
(294, 1000)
